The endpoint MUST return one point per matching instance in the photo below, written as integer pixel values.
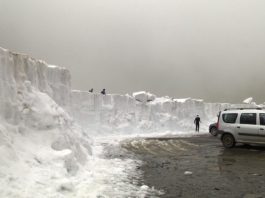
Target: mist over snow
(182, 48)
(52, 137)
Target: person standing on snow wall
(103, 92)
(197, 123)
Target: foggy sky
(210, 49)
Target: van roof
(249, 108)
(245, 110)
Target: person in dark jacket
(197, 123)
(91, 90)
(103, 92)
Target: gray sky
(211, 49)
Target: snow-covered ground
(52, 139)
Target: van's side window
(248, 118)
(262, 118)
(229, 117)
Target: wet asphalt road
(216, 171)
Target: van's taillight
(218, 121)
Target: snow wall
(16, 69)
(125, 114)
(40, 146)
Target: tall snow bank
(16, 69)
(125, 114)
(134, 115)
(41, 149)
(103, 112)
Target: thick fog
(211, 49)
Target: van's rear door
(262, 126)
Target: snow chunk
(143, 96)
(248, 100)
(187, 173)
(144, 187)
(182, 100)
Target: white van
(243, 125)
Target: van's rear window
(262, 118)
(229, 117)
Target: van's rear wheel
(228, 141)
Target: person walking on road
(197, 123)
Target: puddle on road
(158, 146)
(242, 161)
(213, 167)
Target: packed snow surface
(53, 139)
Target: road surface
(200, 167)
